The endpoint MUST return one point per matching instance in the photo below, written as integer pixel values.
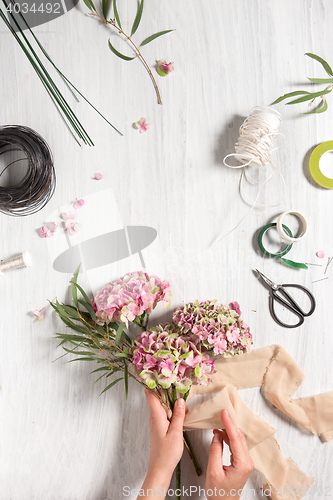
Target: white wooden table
(59, 438)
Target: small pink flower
(74, 228)
(45, 232)
(39, 314)
(53, 226)
(68, 216)
(98, 176)
(142, 125)
(320, 254)
(78, 203)
(164, 68)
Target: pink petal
(320, 254)
(68, 216)
(78, 203)
(98, 176)
(142, 125)
(53, 225)
(39, 314)
(45, 232)
(75, 228)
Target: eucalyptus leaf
(310, 96)
(89, 308)
(126, 379)
(152, 37)
(322, 109)
(72, 338)
(121, 355)
(107, 368)
(74, 289)
(116, 15)
(137, 18)
(115, 51)
(81, 359)
(290, 94)
(325, 65)
(111, 385)
(119, 332)
(84, 295)
(321, 80)
(105, 8)
(90, 5)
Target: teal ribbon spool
(279, 255)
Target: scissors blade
(268, 281)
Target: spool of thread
(22, 260)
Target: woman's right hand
(228, 481)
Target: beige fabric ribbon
(273, 369)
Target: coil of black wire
(35, 189)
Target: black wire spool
(33, 191)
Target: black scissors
(280, 294)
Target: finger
(237, 445)
(157, 412)
(215, 454)
(178, 416)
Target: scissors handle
(291, 304)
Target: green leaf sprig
(116, 23)
(312, 96)
(72, 122)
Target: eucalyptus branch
(312, 96)
(115, 23)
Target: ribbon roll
(279, 255)
(261, 245)
(314, 168)
(284, 236)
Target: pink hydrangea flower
(45, 232)
(220, 328)
(131, 296)
(98, 176)
(142, 125)
(78, 203)
(162, 357)
(164, 68)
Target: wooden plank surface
(59, 438)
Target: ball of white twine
(254, 147)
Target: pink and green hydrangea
(131, 296)
(163, 357)
(220, 328)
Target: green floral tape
(263, 232)
(314, 169)
(279, 255)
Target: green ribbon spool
(314, 169)
(279, 255)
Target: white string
(254, 147)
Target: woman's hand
(228, 480)
(166, 445)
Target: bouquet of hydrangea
(166, 359)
